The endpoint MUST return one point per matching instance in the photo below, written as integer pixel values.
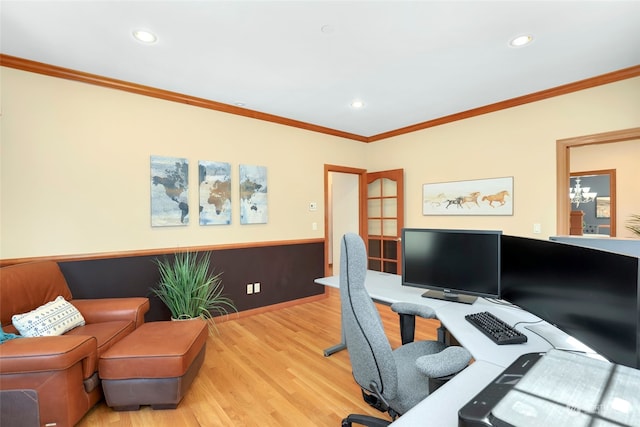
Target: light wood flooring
(269, 369)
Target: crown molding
(80, 76)
(69, 74)
(626, 73)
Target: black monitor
(456, 265)
(590, 294)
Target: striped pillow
(51, 319)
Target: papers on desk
(572, 390)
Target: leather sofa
(62, 370)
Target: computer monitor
(456, 265)
(590, 294)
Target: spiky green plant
(190, 290)
(634, 224)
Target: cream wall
(74, 175)
(75, 169)
(518, 142)
(624, 157)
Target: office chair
(392, 381)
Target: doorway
(343, 187)
(563, 147)
(371, 205)
(598, 202)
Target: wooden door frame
(563, 158)
(362, 214)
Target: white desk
(490, 359)
(383, 287)
(387, 288)
(480, 346)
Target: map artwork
(215, 193)
(169, 191)
(253, 194)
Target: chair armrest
(410, 308)
(408, 312)
(449, 361)
(42, 354)
(109, 309)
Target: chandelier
(580, 194)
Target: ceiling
(409, 62)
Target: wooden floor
(269, 370)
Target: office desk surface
(490, 359)
(479, 345)
(387, 288)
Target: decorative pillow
(53, 318)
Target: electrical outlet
(249, 288)
(256, 287)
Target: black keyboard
(498, 330)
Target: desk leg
(338, 347)
(334, 349)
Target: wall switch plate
(249, 288)
(537, 228)
(256, 287)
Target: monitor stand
(450, 296)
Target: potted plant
(634, 224)
(190, 289)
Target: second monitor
(455, 265)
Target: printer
(557, 388)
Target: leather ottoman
(154, 365)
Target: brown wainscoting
(286, 271)
(149, 252)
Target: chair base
(364, 420)
(374, 401)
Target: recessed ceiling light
(521, 41)
(327, 29)
(145, 36)
(357, 104)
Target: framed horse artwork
(491, 196)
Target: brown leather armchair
(62, 370)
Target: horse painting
(438, 200)
(471, 198)
(498, 197)
(457, 201)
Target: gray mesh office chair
(392, 381)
